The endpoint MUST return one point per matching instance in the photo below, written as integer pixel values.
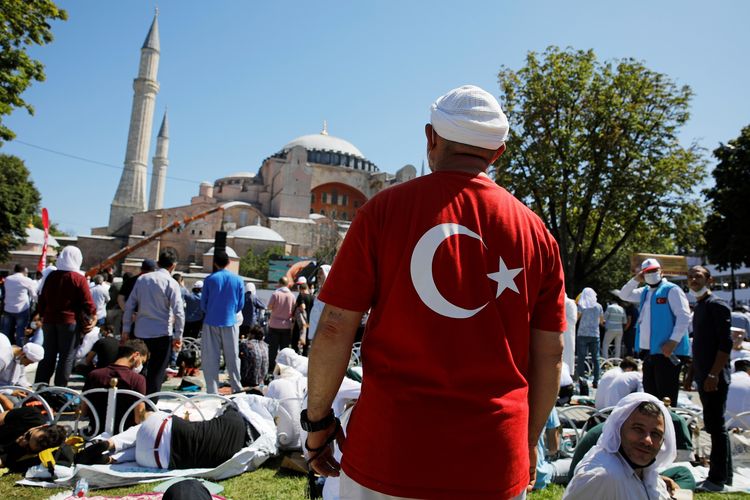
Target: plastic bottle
(82, 488)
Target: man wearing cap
(661, 333)
(253, 310)
(160, 319)
(14, 360)
(193, 312)
(223, 297)
(712, 345)
(499, 297)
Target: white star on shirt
(505, 278)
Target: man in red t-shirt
(463, 346)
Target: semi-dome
(230, 252)
(238, 174)
(259, 233)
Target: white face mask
(652, 278)
(138, 368)
(698, 293)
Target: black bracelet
(330, 439)
(319, 425)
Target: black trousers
(714, 406)
(278, 339)
(60, 341)
(159, 350)
(661, 377)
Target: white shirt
(677, 302)
(100, 295)
(19, 290)
(607, 475)
(569, 335)
(86, 344)
(11, 371)
(738, 400)
(565, 377)
(615, 384)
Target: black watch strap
(320, 425)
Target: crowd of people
(458, 365)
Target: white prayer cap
(610, 438)
(470, 115)
(198, 284)
(250, 287)
(33, 352)
(301, 280)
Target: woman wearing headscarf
(317, 308)
(590, 316)
(66, 308)
(638, 440)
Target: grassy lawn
(268, 482)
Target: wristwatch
(319, 425)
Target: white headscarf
(610, 438)
(587, 300)
(470, 115)
(250, 287)
(326, 268)
(70, 259)
(288, 357)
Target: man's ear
(498, 153)
(429, 132)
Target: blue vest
(662, 321)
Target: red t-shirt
(443, 411)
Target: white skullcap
(301, 280)
(250, 287)
(198, 284)
(470, 115)
(33, 352)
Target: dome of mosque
(325, 142)
(259, 233)
(325, 149)
(230, 252)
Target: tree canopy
(593, 150)
(20, 201)
(24, 23)
(255, 265)
(727, 227)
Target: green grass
(267, 483)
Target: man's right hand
(639, 277)
(323, 461)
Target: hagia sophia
(301, 199)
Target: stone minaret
(131, 192)
(160, 163)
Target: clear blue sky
(242, 78)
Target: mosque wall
(309, 236)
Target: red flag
(43, 258)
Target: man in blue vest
(661, 333)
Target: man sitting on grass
(635, 444)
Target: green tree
(20, 201)
(255, 265)
(24, 23)
(727, 227)
(593, 150)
